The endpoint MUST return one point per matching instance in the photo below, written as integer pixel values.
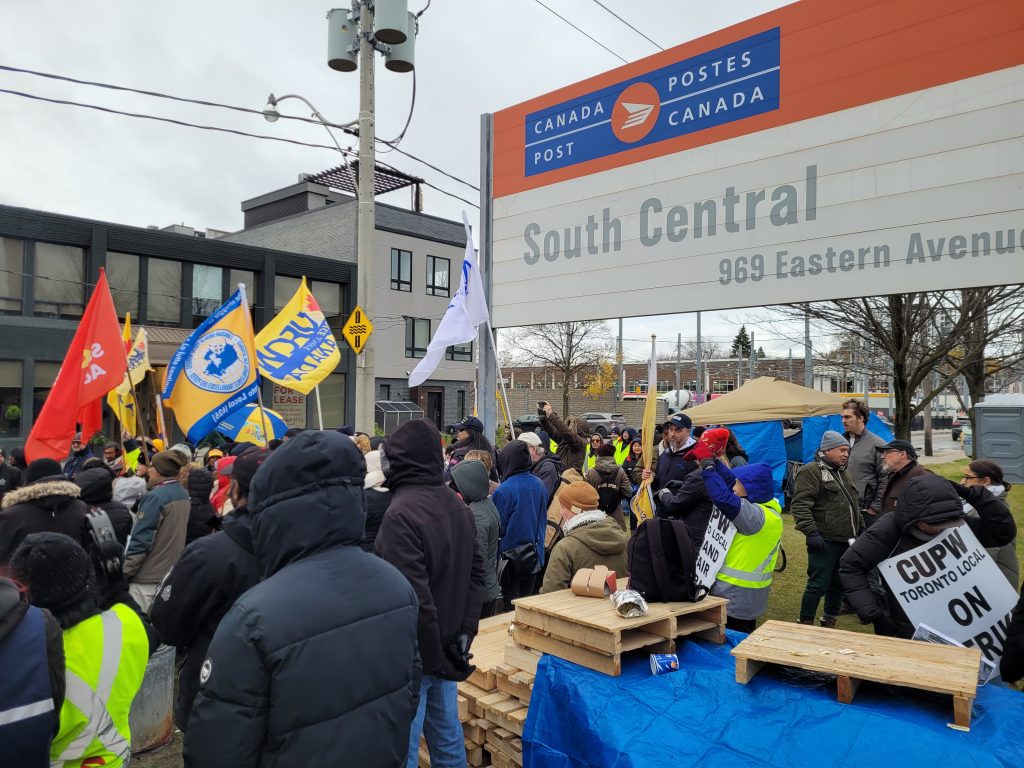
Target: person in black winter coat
(10, 475)
(202, 517)
(97, 483)
(429, 534)
(929, 505)
(316, 664)
(32, 679)
(1011, 664)
(378, 498)
(210, 575)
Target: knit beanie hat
(832, 439)
(169, 463)
(59, 575)
(579, 497)
(42, 468)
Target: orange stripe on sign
(835, 55)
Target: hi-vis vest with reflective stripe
(621, 451)
(106, 657)
(750, 561)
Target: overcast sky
(473, 56)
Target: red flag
(94, 364)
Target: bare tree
(921, 333)
(688, 351)
(573, 350)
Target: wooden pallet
(854, 657)
(588, 631)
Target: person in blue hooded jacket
(746, 496)
(522, 502)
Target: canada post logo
(730, 83)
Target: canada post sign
(720, 86)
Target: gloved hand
(674, 485)
(815, 543)
(458, 654)
(707, 463)
(664, 495)
(715, 440)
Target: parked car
(602, 423)
(528, 423)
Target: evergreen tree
(741, 344)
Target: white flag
(465, 314)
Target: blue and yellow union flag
(213, 373)
(297, 349)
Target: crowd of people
(324, 591)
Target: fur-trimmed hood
(60, 491)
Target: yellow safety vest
(589, 460)
(106, 657)
(621, 451)
(750, 561)
(552, 447)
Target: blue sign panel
(730, 83)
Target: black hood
(514, 459)
(471, 479)
(97, 484)
(928, 499)
(412, 455)
(306, 497)
(200, 484)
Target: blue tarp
(701, 716)
(815, 426)
(763, 442)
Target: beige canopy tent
(766, 399)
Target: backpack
(663, 564)
(608, 493)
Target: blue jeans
(438, 718)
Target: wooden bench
(588, 631)
(854, 656)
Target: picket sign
(950, 583)
(717, 540)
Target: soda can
(664, 662)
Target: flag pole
(135, 399)
(501, 380)
(319, 412)
(259, 391)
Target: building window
(385, 391)
(163, 292)
(417, 336)
(401, 270)
(59, 281)
(247, 278)
(284, 289)
(123, 276)
(328, 296)
(43, 377)
(460, 404)
(438, 270)
(10, 398)
(12, 265)
(460, 352)
(207, 291)
(719, 386)
(332, 400)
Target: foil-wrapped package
(629, 603)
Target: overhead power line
(613, 13)
(235, 108)
(592, 39)
(186, 124)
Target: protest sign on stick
(717, 540)
(952, 585)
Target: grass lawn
(788, 587)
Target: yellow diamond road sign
(357, 329)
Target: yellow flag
(120, 400)
(213, 373)
(297, 349)
(642, 504)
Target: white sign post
(951, 584)
(717, 540)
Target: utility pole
(700, 363)
(679, 358)
(620, 377)
(808, 363)
(366, 385)
(790, 365)
(751, 357)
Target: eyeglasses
(971, 477)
